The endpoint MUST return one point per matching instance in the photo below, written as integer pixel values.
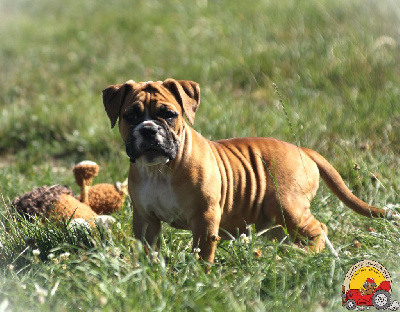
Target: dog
(214, 188)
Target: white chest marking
(155, 195)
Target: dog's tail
(336, 184)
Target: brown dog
(213, 188)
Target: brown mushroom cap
(39, 201)
(68, 206)
(85, 171)
(105, 198)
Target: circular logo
(368, 283)
(358, 274)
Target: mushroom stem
(85, 193)
(84, 173)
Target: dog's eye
(132, 115)
(167, 114)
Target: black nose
(148, 131)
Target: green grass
(336, 64)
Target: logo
(368, 284)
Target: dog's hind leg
(315, 231)
(302, 225)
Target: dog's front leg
(205, 229)
(147, 230)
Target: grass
(336, 64)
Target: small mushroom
(84, 173)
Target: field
(336, 65)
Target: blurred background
(336, 65)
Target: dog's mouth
(150, 153)
(152, 144)
(150, 157)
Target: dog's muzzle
(152, 143)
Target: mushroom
(84, 173)
(58, 202)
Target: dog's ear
(113, 98)
(187, 93)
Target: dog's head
(150, 116)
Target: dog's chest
(155, 195)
